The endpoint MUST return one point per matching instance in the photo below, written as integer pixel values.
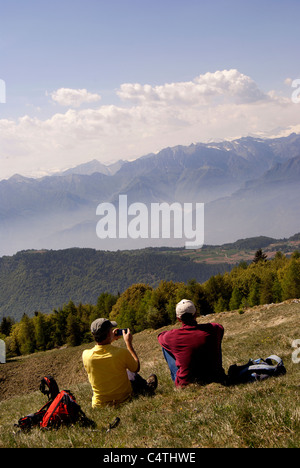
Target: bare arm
(128, 341)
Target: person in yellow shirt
(113, 371)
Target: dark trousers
(139, 385)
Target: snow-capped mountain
(249, 187)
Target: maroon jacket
(197, 352)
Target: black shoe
(152, 383)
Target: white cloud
(74, 97)
(288, 81)
(229, 84)
(221, 105)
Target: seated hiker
(193, 352)
(113, 371)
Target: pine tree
(259, 256)
(6, 325)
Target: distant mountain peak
(249, 186)
(19, 178)
(93, 166)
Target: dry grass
(264, 414)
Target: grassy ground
(262, 414)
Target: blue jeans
(171, 363)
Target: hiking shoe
(152, 383)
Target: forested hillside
(45, 280)
(142, 306)
(33, 281)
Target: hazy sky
(117, 79)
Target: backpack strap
(261, 366)
(49, 387)
(257, 369)
(273, 357)
(267, 366)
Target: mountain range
(249, 187)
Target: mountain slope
(46, 280)
(233, 179)
(268, 204)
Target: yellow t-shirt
(106, 368)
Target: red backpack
(61, 409)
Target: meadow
(255, 415)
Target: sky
(118, 79)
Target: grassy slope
(264, 414)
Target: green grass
(260, 415)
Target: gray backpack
(256, 370)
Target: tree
(199, 296)
(59, 327)
(221, 305)
(218, 290)
(291, 280)
(6, 325)
(254, 292)
(105, 303)
(277, 290)
(73, 330)
(126, 309)
(40, 328)
(279, 260)
(259, 256)
(266, 290)
(163, 299)
(26, 335)
(296, 255)
(236, 299)
(12, 344)
(154, 318)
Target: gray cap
(185, 307)
(101, 325)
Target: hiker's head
(185, 311)
(101, 329)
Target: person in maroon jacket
(193, 352)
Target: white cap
(185, 307)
